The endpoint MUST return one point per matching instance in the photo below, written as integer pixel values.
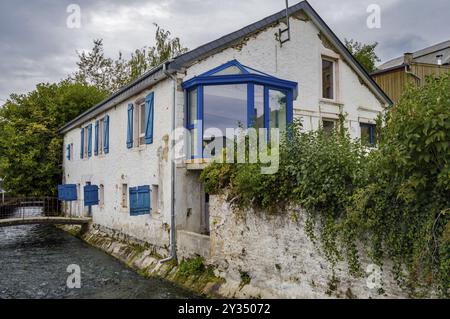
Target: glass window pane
(259, 106)
(277, 105)
(193, 142)
(327, 79)
(225, 106)
(142, 119)
(229, 71)
(192, 106)
(368, 134)
(329, 126)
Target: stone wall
(279, 259)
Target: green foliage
(245, 279)
(405, 206)
(394, 199)
(31, 147)
(192, 267)
(108, 74)
(364, 53)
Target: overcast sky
(36, 45)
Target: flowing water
(34, 262)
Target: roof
(158, 73)
(427, 55)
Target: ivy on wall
(394, 199)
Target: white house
(256, 75)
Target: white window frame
(335, 84)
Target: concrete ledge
(191, 244)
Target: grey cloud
(36, 46)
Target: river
(34, 261)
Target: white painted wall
(298, 60)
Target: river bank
(192, 274)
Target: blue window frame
(234, 73)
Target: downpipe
(173, 244)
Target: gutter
(173, 243)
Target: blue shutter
(68, 152)
(96, 138)
(82, 144)
(106, 135)
(91, 195)
(133, 201)
(130, 126)
(90, 140)
(144, 199)
(139, 200)
(149, 114)
(67, 192)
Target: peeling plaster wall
(280, 259)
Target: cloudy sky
(37, 46)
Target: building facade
(412, 69)
(121, 148)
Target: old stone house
(117, 161)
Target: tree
(364, 53)
(31, 146)
(108, 74)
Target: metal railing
(29, 207)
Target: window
(329, 125)
(234, 96)
(368, 134)
(225, 106)
(155, 198)
(277, 105)
(328, 78)
(259, 107)
(124, 196)
(86, 141)
(141, 122)
(101, 195)
(101, 136)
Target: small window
(86, 141)
(101, 195)
(328, 79)
(329, 126)
(124, 195)
(101, 136)
(155, 198)
(142, 124)
(368, 134)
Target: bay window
(234, 96)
